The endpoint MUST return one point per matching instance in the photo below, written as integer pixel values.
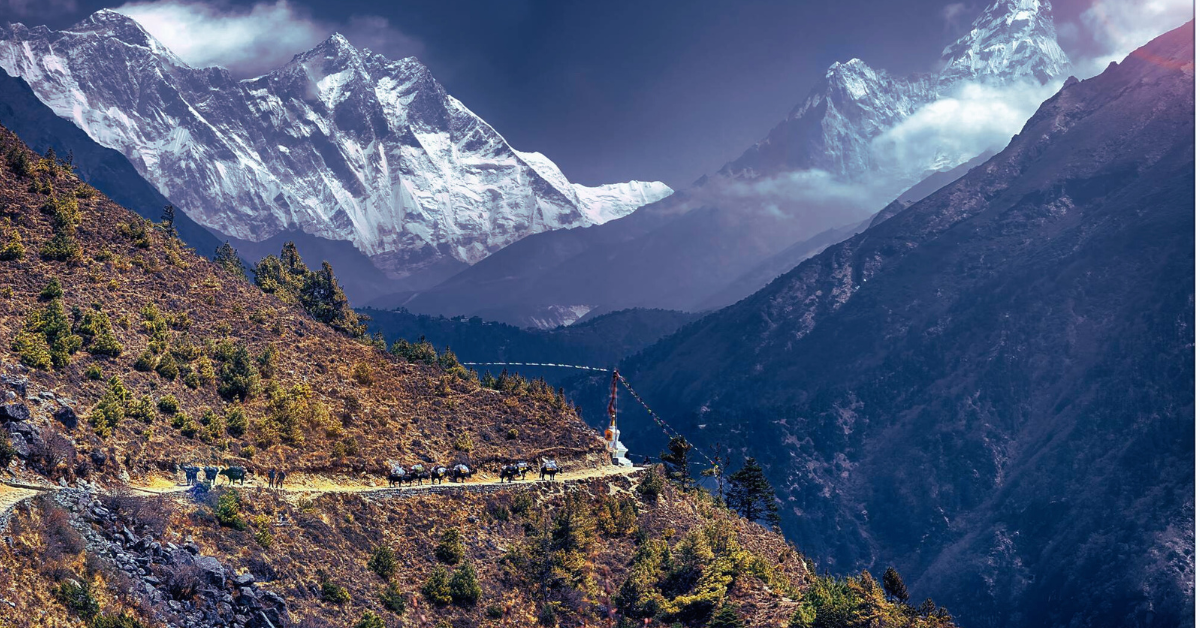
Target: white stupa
(612, 435)
(612, 442)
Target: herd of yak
(397, 475)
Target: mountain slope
(339, 143)
(104, 168)
(126, 358)
(993, 388)
(828, 164)
(600, 341)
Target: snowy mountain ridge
(1011, 42)
(339, 143)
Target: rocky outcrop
(185, 588)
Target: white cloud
(952, 130)
(954, 16)
(1118, 27)
(253, 40)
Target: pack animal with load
(549, 468)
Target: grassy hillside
(126, 355)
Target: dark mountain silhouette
(600, 341)
(992, 389)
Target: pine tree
(751, 495)
(893, 585)
(168, 218)
(727, 617)
(227, 257)
(464, 586)
(675, 460)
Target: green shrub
(262, 531)
(652, 485)
(393, 599)
(96, 331)
(361, 373)
(727, 617)
(229, 510)
(146, 362)
(494, 612)
(383, 562)
(185, 424)
(237, 376)
(13, 249)
(32, 350)
(437, 587)
(331, 591)
(369, 620)
(78, 597)
(464, 586)
(112, 407)
(62, 246)
(53, 290)
(7, 451)
(463, 443)
(235, 421)
(449, 549)
(57, 342)
(142, 409)
(167, 368)
(168, 404)
(512, 434)
(19, 162)
(522, 503)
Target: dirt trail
(303, 483)
(13, 493)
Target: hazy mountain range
(839, 157)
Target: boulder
(98, 458)
(211, 569)
(19, 445)
(67, 417)
(14, 413)
(18, 384)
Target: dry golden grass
(405, 412)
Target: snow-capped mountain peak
(339, 142)
(1011, 39)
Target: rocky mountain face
(993, 388)
(825, 167)
(339, 143)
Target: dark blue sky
(618, 90)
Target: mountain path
(303, 483)
(13, 493)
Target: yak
(396, 476)
(210, 475)
(548, 468)
(460, 473)
(233, 474)
(511, 471)
(417, 473)
(190, 474)
(437, 474)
